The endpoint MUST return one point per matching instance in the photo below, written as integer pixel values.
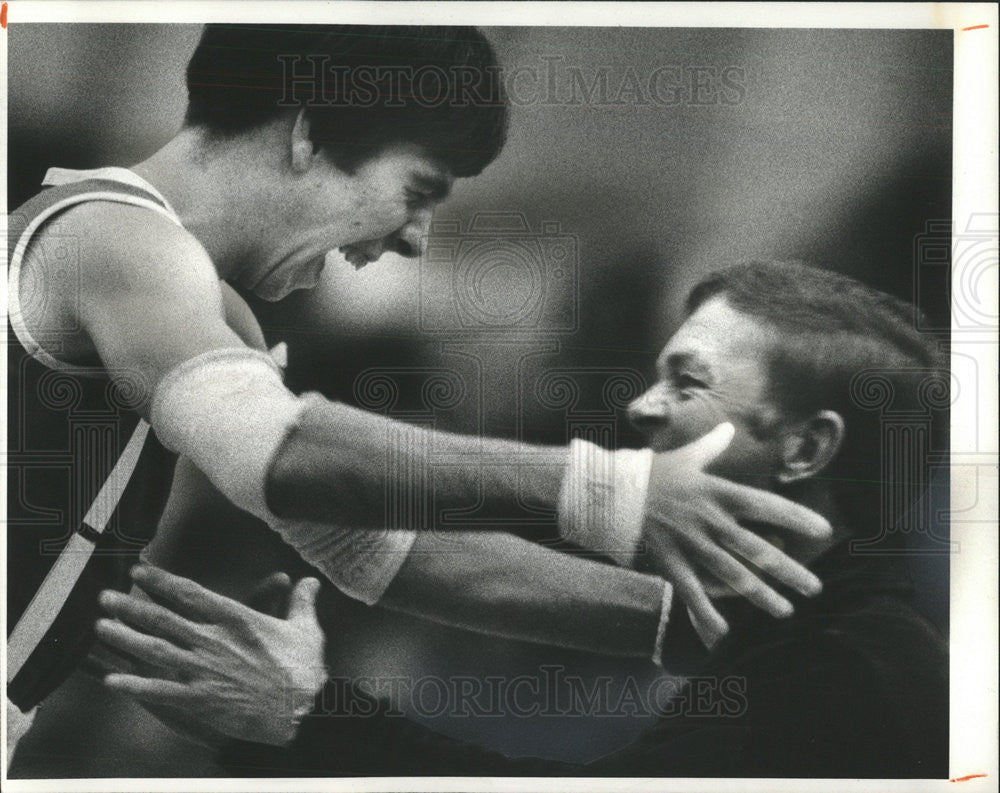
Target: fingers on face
(761, 506)
(687, 584)
(730, 571)
(741, 580)
(769, 559)
(712, 444)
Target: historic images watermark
(317, 81)
(551, 692)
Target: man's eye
(686, 381)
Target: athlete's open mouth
(361, 253)
(357, 256)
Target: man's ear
(809, 448)
(303, 149)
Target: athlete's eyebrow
(435, 187)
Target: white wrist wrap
(228, 411)
(603, 498)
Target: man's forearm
(344, 465)
(496, 583)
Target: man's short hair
(837, 341)
(363, 87)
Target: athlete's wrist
(603, 497)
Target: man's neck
(194, 183)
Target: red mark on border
(969, 776)
(974, 27)
(3, 16)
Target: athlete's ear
(811, 446)
(303, 150)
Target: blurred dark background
(828, 146)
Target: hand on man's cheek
(747, 459)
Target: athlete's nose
(411, 240)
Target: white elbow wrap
(603, 499)
(228, 411)
(361, 563)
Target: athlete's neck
(201, 187)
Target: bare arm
(152, 300)
(500, 584)
(151, 297)
(363, 457)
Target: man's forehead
(415, 157)
(716, 330)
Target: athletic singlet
(87, 478)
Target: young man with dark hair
(363, 87)
(854, 685)
(299, 140)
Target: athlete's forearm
(348, 466)
(496, 583)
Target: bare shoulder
(122, 248)
(105, 259)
